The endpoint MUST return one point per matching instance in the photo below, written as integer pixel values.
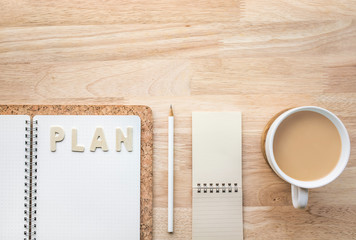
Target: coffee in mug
(308, 147)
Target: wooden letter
(99, 140)
(56, 135)
(75, 146)
(126, 140)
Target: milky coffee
(307, 146)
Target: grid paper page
(217, 165)
(88, 195)
(12, 176)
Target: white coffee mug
(299, 188)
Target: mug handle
(299, 196)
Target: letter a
(99, 140)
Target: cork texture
(144, 112)
(265, 131)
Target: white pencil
(170, 168)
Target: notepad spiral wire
(217, 188)
(30, 180)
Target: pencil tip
(171, 111)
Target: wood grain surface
(254, 56)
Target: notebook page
(217, 179)
(88, 195)
(217, 216)
(12, 176)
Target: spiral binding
(30, 180)
(211, 188)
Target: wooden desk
(258, 57)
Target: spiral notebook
(217, 176)
(69, 177)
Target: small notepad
(217, 176)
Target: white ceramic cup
(299, 188)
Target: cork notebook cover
(145, 115)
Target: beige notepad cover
(217, 177)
